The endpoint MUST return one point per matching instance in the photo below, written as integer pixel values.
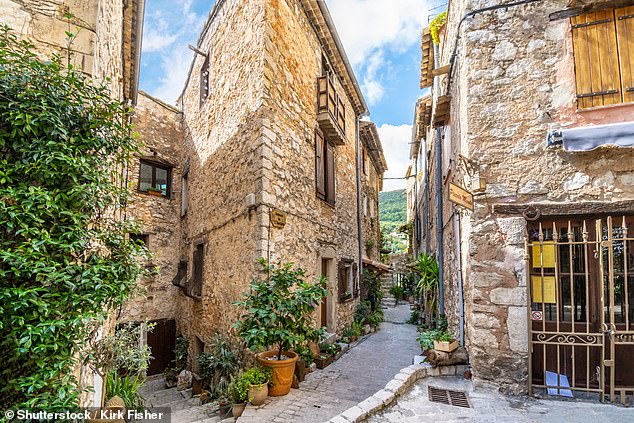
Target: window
(348, 280)
(372, 209)
(204, 80)
(195, 288)
(365, 205)
(155, 178)
(365, 161)
(324, 168)
(181, 275)
(603, 45)
(184, 194)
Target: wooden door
(162, 342)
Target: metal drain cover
(446, 396)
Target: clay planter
(322, 361)
(283, 371)
(257, 394)
(238, 409)
(445, 346)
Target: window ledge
(608, 107)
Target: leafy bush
(414, 317)
(182, 346)
(258, 376)
(220, 364)
(397, 292)
(362, 312)
(435, 25)
(239, 390)
(64, 260)
(126, 387)
(426, 339)
(426, 268)
(376, 318)
(356, 328)
(372, 285)
(278, 309)
(330, 349)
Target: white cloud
(175, 67)
(395, 140)
(153, 41)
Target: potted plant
(257, 381)
(239, 394)
(278, 314)
(445, 342)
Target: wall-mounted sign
(460, 196)
(550, 288)
(544, 256)
(278, 218)
(537, 316)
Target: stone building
(531, 111)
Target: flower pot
(322, 361)
(238, 409)
(257, 394)
(445, 346)
(283, 371)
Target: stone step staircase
(386, 283)
(184, 407)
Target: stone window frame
(156, 165)
(325, 169)
(348, 281)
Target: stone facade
(513, 82)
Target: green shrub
(220, 364)
(258, 376)
(397, 292)
(278, 309)
(414, 317)
(376, 318)
(126, 387)
(426, 339)
(435, 25)
(362, 312)
(182, 346)
(64, 262)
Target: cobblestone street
(357, 375)
(490, 406)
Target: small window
(155, 178)
(372, 209)
(184, 194)
(143, 239)
(366, 167)
(196, 285)
(348, 281)
(204, 80)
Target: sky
(381, 39)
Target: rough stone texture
(160, 134)
(513, 82)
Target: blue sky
(382, 40)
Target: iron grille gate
(580, 279)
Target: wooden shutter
(625, 35)
(342, 281)
(320, 173)
(596, 59)
(330, 175)
(195, 290)
(355, 278)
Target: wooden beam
(440, 71)
(565, 209)
(587, 8)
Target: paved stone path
(490, 406)
(358, 374)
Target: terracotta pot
(283, 371)
(238, 409)
(257, 394)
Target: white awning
(588, 138)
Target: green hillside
(392, 210)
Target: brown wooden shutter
(625, 35)
(320, 173)
(342, 281)
(355, 278)
(195, 289)
(596, 59)
(330, 175)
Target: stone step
(166, 396)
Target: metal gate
(580, 278)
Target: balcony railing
(331, 112)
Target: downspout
(460, 293)
(439, 211)
(358, 166)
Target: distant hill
(392, 210)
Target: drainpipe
(358, 163)
(460, 293)
(439, 211)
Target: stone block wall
(161, 136)
(371, 228)
(514, 82)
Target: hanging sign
(544, 255)
(460, 196)
(537, 316)
(550, 288)
(278, 219)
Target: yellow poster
(548, 254)
(550, 287)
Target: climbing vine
(65, 258)
(435, 25)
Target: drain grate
(445, 396)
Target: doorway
(581, 290)
(162, 342)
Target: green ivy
(435, 25)
(65, 259)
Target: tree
(65, 258)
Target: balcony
(331, 112)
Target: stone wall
(161, 136)
(370, 182)
(513, 82)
